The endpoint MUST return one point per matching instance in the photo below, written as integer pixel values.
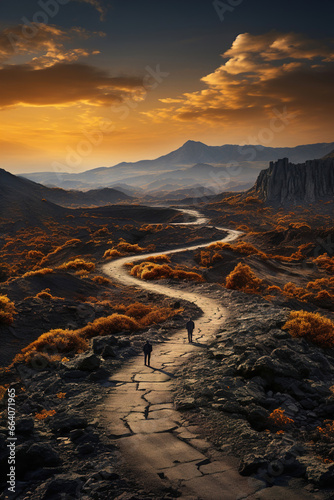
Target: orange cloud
(261, 73)
(44, 41)
(63, 84)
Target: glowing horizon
(85, 79)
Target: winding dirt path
(155, 442)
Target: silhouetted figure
(190, 328)
(147, 352)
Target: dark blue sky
(61, 81)
(184, 35)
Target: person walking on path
(147, 353)
(190, 328)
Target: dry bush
(112, 253)
(101, 280)
(274, 289)
(70, 243)
(137, 310)
(7, 310)
(327, 431)
(152, 271)
(278, 418)
(111, 324)
(45, 294)
(325, 262)
(300, 225)
(101, 232)
(244, 279)
(38, 272)
(158, 315)
(78, 265)
(3, 390)
(35, 255)
(312, 326)
(240, 247)
(187, 275)
(55, 340)
(44, 414)
(253, 200)
(124, 246)
(159, 259)
(322, 284)
(297, 292)
(207, 258)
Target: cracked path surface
(154, 440)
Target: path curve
(155, 443)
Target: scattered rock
(68, 421)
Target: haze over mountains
(24, 199)
(282, 183)
(194, 166)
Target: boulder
(252, 464)
(317, 472)
(258, 418)
(67, 421)
(62, 487)
(41, 454)
(99, 343)
(85, 362)
(108, 352)
(25, 426)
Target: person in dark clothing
(147, 352)
(190, 328)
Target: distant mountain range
(194, 164)
(25, 199)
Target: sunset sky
(90, 83)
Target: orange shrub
(35, 255)
(244, 279)
(137, 310)
(124, 246)
(45, 294)
(159, 259)
(78, 264)
(294, 291)
(328, 430)
(152, 271)
(55, 340)
(112, 254)
(7, 310)
(278, 418)
(69, 243)
(39, 272)
(101, 280)
(274, 289)
(157, 315)
(311, 326)
(111, 324)
(187, 275)
(44, 414)
(241, 247)
(325, 262)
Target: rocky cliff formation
(287, 183)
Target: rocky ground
(227, 392)
(252, 368)
(66, 453)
